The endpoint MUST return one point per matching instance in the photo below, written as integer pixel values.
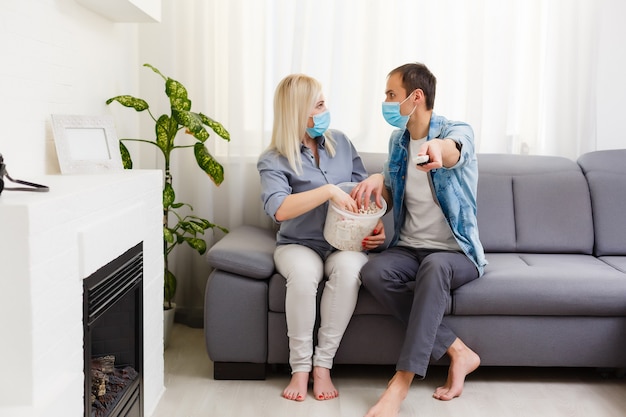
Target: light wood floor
(191, 391)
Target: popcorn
(346, 230)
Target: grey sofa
(553, 294)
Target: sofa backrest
(606, 174)
(535, 204)
(528, 203)
(373, 161)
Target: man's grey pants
(414, 285)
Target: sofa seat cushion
(544, 284)
(246, 251)
(366, 304)
(617, 262)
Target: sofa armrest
(246, 250)
(235, 318)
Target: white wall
(57, 57)
(60, 57)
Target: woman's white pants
(303, 270)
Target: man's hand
(442, 153)
(364, 190)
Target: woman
(299, 172)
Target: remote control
(421, 159)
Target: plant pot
(168, 323)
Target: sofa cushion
(373, 161)
(529, 203)
(544, 284)
(617, 262)
(606, 174)
(366, 304)
(246, 250)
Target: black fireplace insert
(113, 337)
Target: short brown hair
(417, 75)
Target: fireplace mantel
(49, 243)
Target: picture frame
(86, 144)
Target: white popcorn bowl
(346, 230)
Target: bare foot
(323, 388)
(463, 361)
(296, 390)
(388, 404)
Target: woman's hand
(376, 239)
(342, 199)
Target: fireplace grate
(120, 281)
(113, 337)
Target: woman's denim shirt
(454, 187)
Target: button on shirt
(278, 180)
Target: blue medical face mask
(391, 113)
(321, 122)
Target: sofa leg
(238, 370)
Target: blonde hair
(294, 100)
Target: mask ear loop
(414, 107)
(32, 186)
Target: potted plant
(185, 227)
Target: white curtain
(521, 72)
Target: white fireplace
(49, 243)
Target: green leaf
(130, 101)
(185, 227)
(193, 228)
(126, 159)
(165, 130)
(216, 126)
(169, 287)
(193, 123)
(167, 235)
(177, 94)
(168, 195)
(197, 227)
(204, 223)
(155, 70)
(197, 244)
(208, 164)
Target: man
(435, 246)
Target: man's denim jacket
(454, 187)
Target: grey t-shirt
(424, 226)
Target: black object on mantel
(30, 186)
